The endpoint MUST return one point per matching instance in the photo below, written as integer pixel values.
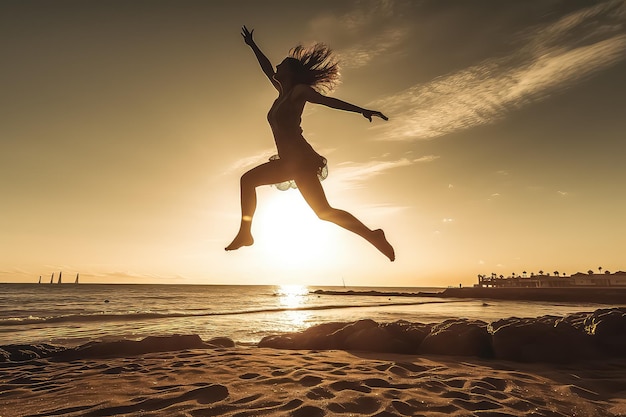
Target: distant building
(579, 279)
(617, 279)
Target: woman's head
(314, 66)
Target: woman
(297, 79)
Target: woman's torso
(284, 118)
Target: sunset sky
(125, 126)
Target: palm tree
(590, 272)
(540, 272)
(556, 273)
(600, 269)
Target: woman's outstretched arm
(265, 63)
(309, 94)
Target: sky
(126, 124)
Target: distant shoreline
(604, 295)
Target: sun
(290, 234)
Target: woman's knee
(247, 180)
(326, 213)
(265, 174)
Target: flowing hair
(315, 66)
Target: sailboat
(60, 274)
(76, 280)
(51, 278)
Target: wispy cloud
(249, 161)
(361, 54)
(355, 175)
(426, 158)
(381, 210)
(552, 58)
(367, 31)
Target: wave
(138, 316)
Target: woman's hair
(315, 66)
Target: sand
(251, 381)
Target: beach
(251, 381)
(273, 351)
(574, 366)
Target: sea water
(72, 314)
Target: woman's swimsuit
(284, 119)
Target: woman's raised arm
(265, 63)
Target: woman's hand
(369, 113)
(247, 35)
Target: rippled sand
(250, 381)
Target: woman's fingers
(369, 113)
(247, 34)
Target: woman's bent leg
(269, 173)
(313, 193)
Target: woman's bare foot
(382, 245)
(242, 239)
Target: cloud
(381, 210)
(247, 162)
(130, 276)
(553, 58)
(426, 158)
(371, 29)
(493, 196)
(346, 174)
(354, 175)
(363, 53)
(356, 21)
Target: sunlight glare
(292, 296)
(290, 234)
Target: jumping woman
(299, 79)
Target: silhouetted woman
(297, 79)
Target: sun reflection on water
(293, 297)
(297, 319)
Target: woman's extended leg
(272, 172)
(313, 193)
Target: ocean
(73, 314)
